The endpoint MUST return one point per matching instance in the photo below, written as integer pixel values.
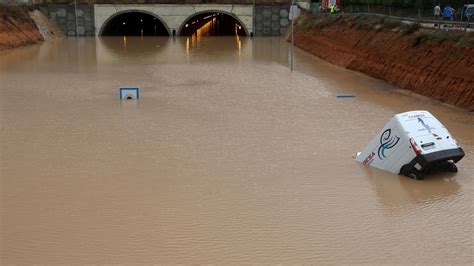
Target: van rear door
(428, 133)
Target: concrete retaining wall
(271, 20)
(65, 18)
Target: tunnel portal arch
(173, 16)
(112, 19)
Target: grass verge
(308, 22)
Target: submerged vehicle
(413, 144)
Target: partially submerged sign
(345, 96)
(129, 93)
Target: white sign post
(294, 13)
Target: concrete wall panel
(243, 10)
(225, 8)
(172, 10)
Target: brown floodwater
(228, 157)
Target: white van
(412, 144)
(469, 12)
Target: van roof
(413, 114)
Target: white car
(412, 144)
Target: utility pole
(292, 33)
(75, 12)
(253, 19)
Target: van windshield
(470, 10)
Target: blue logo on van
(424, 125)
(387, 141)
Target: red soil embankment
(16, 28)
(444, 72)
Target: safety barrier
(440, 24)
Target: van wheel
(452, 168)
(416, 175)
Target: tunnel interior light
(210, 16)
(123, 23)
(141, 20)
(211, 24)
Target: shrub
(391, 23)
(437, 36)
(408, 29)
(460, 38)
(465, 42)
(308, 22)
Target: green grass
(391, 23)
(461, 39)
(424, 36)
(362, 21)
(309, 22)
(465, 42)
(408, 29)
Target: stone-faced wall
(65, 18)
(271, 20)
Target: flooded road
(228, 157)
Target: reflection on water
(112, 50)
(228, 157)
(205, 29)
(402, 194)
(134, 46)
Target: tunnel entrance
(212, 24)
(134, 24)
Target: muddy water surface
(228, 157)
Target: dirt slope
(48, 29)
(16, 28)
(444, 72)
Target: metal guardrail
(15, 2)
(90, 2)
(454, 25)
